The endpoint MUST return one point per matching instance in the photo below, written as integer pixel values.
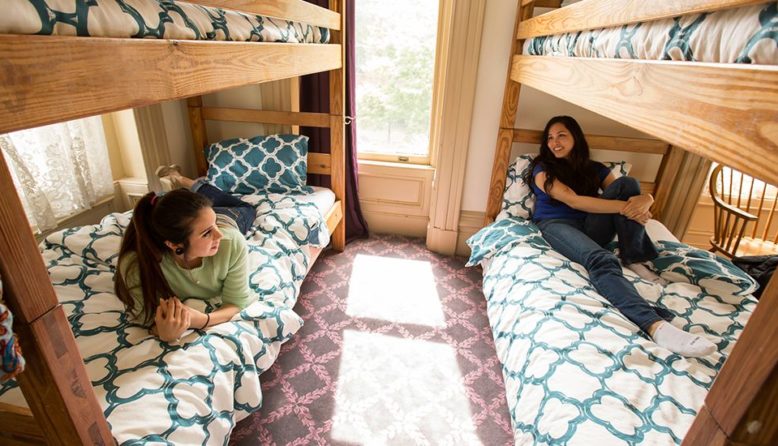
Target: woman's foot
(679, 341)
(645, 273)
(169, 177)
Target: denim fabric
(634, 244)
(242, 213)
(583, 241)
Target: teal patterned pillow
(273, 163)
(517, 200)
(678, 262)
(501, 235)
(618, 168)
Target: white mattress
(657, 231)
(322, 197)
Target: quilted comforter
(193, 391)
(576, 371)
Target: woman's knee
(600, 260)
(626, 187)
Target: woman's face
(205, 237)
(560, 141)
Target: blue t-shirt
(547, 208)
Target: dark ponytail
(577, 171)
(155, 219)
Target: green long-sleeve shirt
(224, 274)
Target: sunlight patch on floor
(400, 391)
(395, 290)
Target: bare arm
(201, 320)
(561, 192)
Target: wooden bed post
(742, 405)
(337, 127)
(55, 383)
(199, 136)
(668, 169)
(510, 103)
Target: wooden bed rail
(591, 14)
(166, 70)
(738, 93)
(17, 425)
(602, 142)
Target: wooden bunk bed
(725, 112)
(48, 79)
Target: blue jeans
(582, 242)
(242, 213)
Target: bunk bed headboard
(659, 187)
(331, 164)
(318, 163)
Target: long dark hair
(155, 219)
(576, 171)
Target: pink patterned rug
(396, 349)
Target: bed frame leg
(339, 237)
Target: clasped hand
(637, 208)
(172, 319)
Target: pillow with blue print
(618, 168)
(679, 262)
(261, 164)
(501, 235)
(518, 201)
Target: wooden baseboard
(470, 222)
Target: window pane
(395, 60)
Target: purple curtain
(314, 97)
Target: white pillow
(518, 201)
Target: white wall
(179, 137)
(535, 108)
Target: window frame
(443, 37)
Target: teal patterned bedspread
(576, 371)
(748, 34)
(150, 19)
(194, 391)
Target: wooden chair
(742, 222)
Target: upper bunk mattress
(741, 35)
(155, 19)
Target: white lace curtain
(59, 170)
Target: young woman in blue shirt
(578, 222)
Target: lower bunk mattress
(195, 390)
(576, 371)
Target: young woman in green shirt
(187, 243)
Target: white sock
(166, 183)
(681, 342)
(644, 273)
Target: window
(59, 170)
(395, 65)
(736, 187)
